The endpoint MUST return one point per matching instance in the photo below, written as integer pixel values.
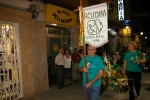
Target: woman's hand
(137, 61)
(123, 71)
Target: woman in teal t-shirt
(131, 66)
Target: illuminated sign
(120, 9)
(127, 22)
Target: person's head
(132, 46)
(91, 51)
(67, 52)
(75, 50)
(61, 50)
(116, 53)
(81, 51)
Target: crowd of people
(72, 67)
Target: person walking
(59, 64)
(94, 68)
(81, 53)
(132, 69)
(67, 68)
(76, 59)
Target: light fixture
(113, 33)
(34, 9)
(54, 24)
(145, 37)
(127, 27)
(141, 33)
(109, 29)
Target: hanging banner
(96, 25)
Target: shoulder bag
(141, 65)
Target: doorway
(54, 50)
(56, 39)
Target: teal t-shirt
(96, 64)
(131, 57)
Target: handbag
(141, 65)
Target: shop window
(54, 31)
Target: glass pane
(65, 32)
(66, 43)
(54, 31)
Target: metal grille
(10, 62)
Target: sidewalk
(75, 92)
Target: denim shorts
(93, 92)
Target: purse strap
(138, 54)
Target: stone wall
(32, 48)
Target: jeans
(93, 92)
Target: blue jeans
(93, 92)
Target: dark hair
(67, 50)
(80, 50)
(75, 49)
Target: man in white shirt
(59, 64)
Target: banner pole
(82, 42)
(87, 90)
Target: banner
(96, 25)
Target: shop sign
(59, 15)
(120, 9)
(96, 24)
(143, 14)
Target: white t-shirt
(67, 62)
(59, 60)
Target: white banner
(96, 25)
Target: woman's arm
(124, 67)
(141, 61)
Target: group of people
(93, 69)
(67, 66)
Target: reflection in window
(66, 42)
